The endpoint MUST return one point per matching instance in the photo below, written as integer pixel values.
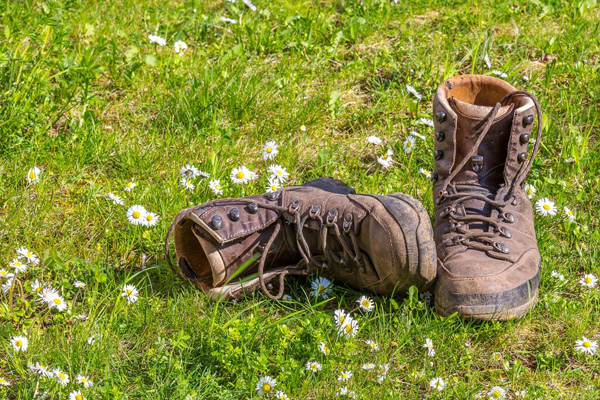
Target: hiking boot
(381, 244)
(488, 259)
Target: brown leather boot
(381, 244)
(488, 259)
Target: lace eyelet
(315, 211)
(504, 232)
(501, 247)
(508, 217)
(347, 225)
(332, 217)
(447, 211)
(295, 207)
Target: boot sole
(500, 306)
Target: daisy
(189, 171)
(4, 382)
(344, 376)
(409, 144)
(386, 159)
(279, 172)
(157, 39)
(91, 340)
(130, 293)
(129, 186)
(415, 134)
(429, 346)
(437, 383)
(180, 46)
(273, 185)
(588, 280)
(365, 303)
(17, 265)
(265, 385)
(37, 287)
(374, 346)
(349, 328)
(47, 294)
(558, 276)
(496, 356)
(281, 395)
(84, 380)
(215, 186)
(545, 207)
(323, 348)
(56, 301)
(186, 183)
(4, 274)
(231, 21)
(321, 286)
(414, 92)
(313, 366)
(340, 317)
(115, 199)
(76, 395)
(33, 175)
(270, 150)
(500, 74)
(374, 140)
(250, 5)
(529, 190)
(368, 366)
(19, 343)
(8, 284)
(303, 128)
(586, 346)
(40, 369)
(136, 215)
(426, 121)
(79, 284)
(25, 253)
(497, 393)
(488, 62)
(569, 214)
(240, 175)
(61, 377)
(382, 370)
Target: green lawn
(86, 97)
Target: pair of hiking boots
(481, 256)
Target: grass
(87, 98)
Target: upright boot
(488, 258)
(380, 244)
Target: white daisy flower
(37, 287)
(186, 183)
(4, 382)
(281, 395)
(303, 128)
(374, 140)
(228, 20)
(180, 47)
(429, 346)
(340, 317)
(91, 340)
(545, 207)
(529, 190)
(40, 369)
(76, 395)
(488, 62)
(61, 377)
(496, 356)
(273, 185)
(323, 348)
(344, 376)
(279, 172)
(115, 199)
(349, 328)
(25, 253)
(4, 274)
(84, 380)
(365, 303)
(372, 345)
(19, 343)
(500, 74)
(321, 286)
(569, 214)
(79, 284)
(129, 186)
(215, 186)
(558, 276)
(425, 172)
(265, 385)
(415, 134)
(382, 371)
(33, 175)
(157, 39)
(250, 5)
(136, 215)
(47, 294)
(313, 366)
(368, 366)
(8, 284)
(241, 175)
(130, 293)
(386, 159)
(409, 144)
(497, 393)
(17, 265)
(270, 150)
(56, 301)
(588, 280)
(586, 346)
(438, 384)
(189, 171)
(426, 121)
(414, 92)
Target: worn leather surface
(462, 269)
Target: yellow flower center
(149, 218)
(266, 387)
(342, 319)
(38, 289)
(348, 328)
(29, 254)
(366, 303)
(273, 187)
(279, 172)
(188, 183)
(326, 349)
(136, 214)
(372, 345)
(19, 343)
(240, 175)
(32, 175)
(79, 397)
(408, 144)
(18, 264)
(321, 289)
(586, 344)
(2, 380)
(496, 394)
(546, 207)
(570, 213)
(529, 190)
(269, 149)
(218, 187)
(57, 301)
(344, 375)
(588, 280)
(427, 172)
(129, 184)
(61, 376)
(438, 383)
(385, 156)
(3, 273)
(129, 292)
(84, 380)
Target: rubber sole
(500, 306)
